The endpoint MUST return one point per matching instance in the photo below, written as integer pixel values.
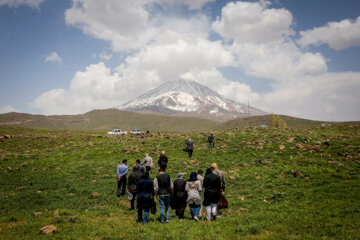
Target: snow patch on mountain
(188, 97)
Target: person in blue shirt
(122, 170)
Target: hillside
(298, 183)
(107, 119)
(264, 120)
(112, 118)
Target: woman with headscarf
(212, 193)
(145, 190)
(194, 189)
(180, 196)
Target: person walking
(211, 140)
(190, 147)
(145, 190)
(141, 169)
(194, 189)
(220, 173)
(147, 162)
(180, 196)
(133, 180)
(163, 161)
(122, 170)
(163, 187)
(201, 179)
(212, 193)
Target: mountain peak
(188, 97)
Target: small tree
(273, 121)
(281, 123)
(277, 122)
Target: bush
(277, 122)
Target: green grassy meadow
(296, 183)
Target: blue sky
(298, 58)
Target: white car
(137, 131)
(117, 131)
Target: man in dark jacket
(180, 196)
(211, 140)
(141, 169)
(212, 193)
(163, 187)
(190, 147)
(145, 190)
(163, 161)
(133, 180)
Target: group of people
(177, 194)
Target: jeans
(144, 220)
(148, 168)
(164, 202)
(213, 144)
(194, 209)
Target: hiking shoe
(196, 219)
(167, 221)
(214, 218)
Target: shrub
(277, 122)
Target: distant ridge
(189, 98)
(103, 120)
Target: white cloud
(105, 56)
(94, 88)
(16, 3)
(7, 109)
(171, 59)
(128, 24)
(53, 57)
(253, 22)
(313, 97)
(338, 35)
(278, 61)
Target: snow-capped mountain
(189, 98)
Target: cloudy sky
(299, 58)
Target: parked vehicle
(137, 131)
(117, 131)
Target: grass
(296, 183)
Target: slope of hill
(257, 121)
(114, 118)
(107, 119)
